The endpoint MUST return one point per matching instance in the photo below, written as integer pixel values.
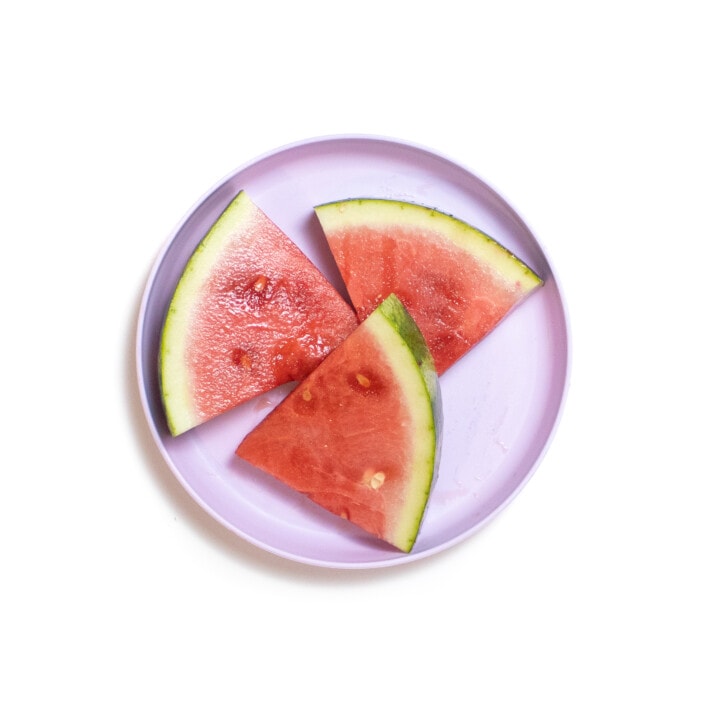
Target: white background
(595, 594)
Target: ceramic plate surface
(501, 402)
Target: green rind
(414, 371)
(175, 380)
(396, 314)
(385, 211)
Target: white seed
(374, 479)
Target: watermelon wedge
(250, 312)
(359, 435)
(456, 282)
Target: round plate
(501, 401)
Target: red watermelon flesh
(457, 282)
(249, 313)
(359, 435)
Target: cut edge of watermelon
(175, 380)
(385, 212)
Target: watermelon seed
(374, 479)
(307, 395)
(240, 357)
(365, 382)
(260, 283)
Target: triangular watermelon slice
(359, 436)
(457, 282)
(249, 313)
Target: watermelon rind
(386, 211)
(416, 377)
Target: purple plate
(501, 402)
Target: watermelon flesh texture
(457, 282)
(250, 312)
(359, 436)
